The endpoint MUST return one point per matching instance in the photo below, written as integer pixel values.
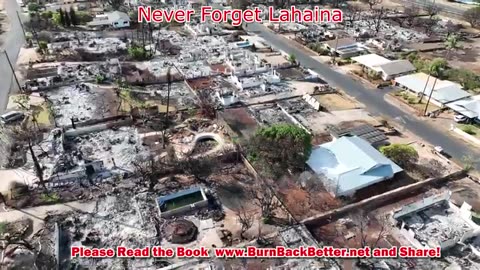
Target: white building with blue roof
(350, 164)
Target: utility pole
(13, 70)
(430, 96)
(335, 51)
(21, 25)
(424, 88)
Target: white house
(386, 68)
(445, 91)
(115, 19)
(349, 164)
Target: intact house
(386, 68)
(435, 221)
(444, 92)
(469, 107)
(348, 164)
(344, 47)
(115, 19)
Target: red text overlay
(237, 16)
(254, 252)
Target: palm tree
(450, 44)
(431, 69)
(437, 74)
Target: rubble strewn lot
(82, 102)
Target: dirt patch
(336, 102)
(411, 100)
(466, 190)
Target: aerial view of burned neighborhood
(240, 134)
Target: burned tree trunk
(38, 168)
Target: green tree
(402, 154)
(468, 79)
(73, 17)
(472, 16)
(47, 15)
(451, 44)
(292, 58)
(280, 148)
(435, 68)
(33, 7)
(436, 65)
(138, 53)
(56, 18)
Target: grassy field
(471, 129)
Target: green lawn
(471, 129)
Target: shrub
(411, 100)
(50, 198)
(47, 14)
(100, 78)
(468, 129)
(3, 227)
(138, 53)
(43, 46)
(33, 7)
(468, 79)
(373, 75)
(17, 189)
(402, 154)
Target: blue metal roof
(350, 163)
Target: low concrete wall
(185, 209)
(92, 122)
(96, 128)
(375, 201)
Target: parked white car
(459, 118)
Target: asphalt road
(372, 98)
(12, 42)
(445, 8)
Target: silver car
(10, 117)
